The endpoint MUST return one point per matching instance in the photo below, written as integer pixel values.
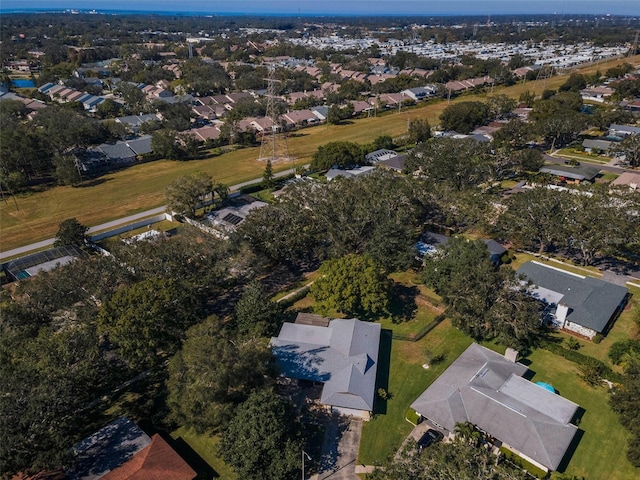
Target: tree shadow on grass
(403, 306)
(195, 461)
(93, 182)
(382, 375)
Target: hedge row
(580, 359)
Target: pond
(23, 83)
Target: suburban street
(121, 221)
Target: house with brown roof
(629, 179)
(156, 460)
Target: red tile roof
(157, 460)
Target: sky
(344, 7)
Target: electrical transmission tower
(634, 48)
(274, 142)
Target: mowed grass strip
(141, 187)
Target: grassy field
(600, 454)
(142, 187)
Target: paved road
(606, 167)
(121, 221)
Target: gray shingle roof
(107, 449)
(597, 144)
(344, 356)
(484, 388)
(140, 145)
(581, 172)
(592, 302)
(116, 150)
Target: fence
(422, 332)
(129, 227)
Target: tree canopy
(186, 193)
(483, 301)
(264, 438)
(340, 154)
(459, 460)
(212, 374)
(71, 232)
(148, 319)
(354, 285)
(463, 117)
(256, 314)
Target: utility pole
(304, 454)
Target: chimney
(511, 355)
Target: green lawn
(382, 436)
(571, 153)
(141, 187)
(600, 454)
(206, 448)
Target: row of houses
(65, 94)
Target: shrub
(572, 344)
(522, 463)
(580, 359)
(412, 417)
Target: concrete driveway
(340, 449)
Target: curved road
(121, 221)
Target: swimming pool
(23, 83)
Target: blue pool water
(23, 83)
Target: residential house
(420, 93)
(596, 94)
(393, 163)
(571, 174)
(134, 122)
(322, 112)
(209, 112)
(460, 85)
(360, 106)
(202, 134)
(156, 460)
(118, 152)
(300, 118)
(122, 451)
(522, 113)
(596, 145)
(262, 125)
(431, 240)
(378, 155)
(234, 213)
(341, 355)
(141, 145)
(107, 449)
(43, 261)
(488, 390)
(622, 131)
(580, 304)
(349, 173)
(629, 179)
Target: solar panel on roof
(233, 219)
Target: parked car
(429, 437)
